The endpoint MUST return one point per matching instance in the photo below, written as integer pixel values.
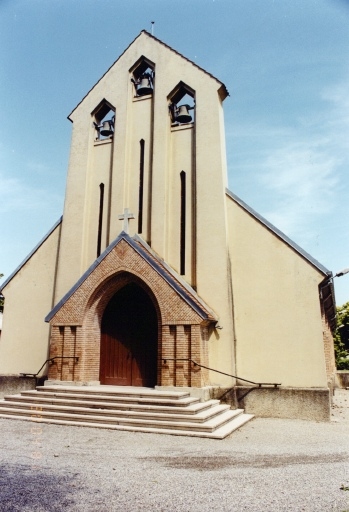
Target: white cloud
(304, 182)
(338, 120)
(38, 167)
(304, 178)
(338, 95)
(19, 196)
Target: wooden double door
(129, 339)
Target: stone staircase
(125, 408)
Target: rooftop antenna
(152, 27)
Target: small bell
(107, 128)
(183, 114)
(144, 87)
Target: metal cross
(125, 217)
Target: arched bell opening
(182, 105)
(104, 121)
(142, 77)
(129, 339)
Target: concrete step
(124, 398)
(117, 391)
(191, 409)
(220, 432)
(211, 423)
(132, 409)
(200, 416)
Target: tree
(341, 337)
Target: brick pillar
(91, 357)
(180, 354)
(79, 351)
(160, 358)
(69, 351)
(197, 373)
(168, 351)
(187, 352)
(56, 349)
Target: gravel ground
(268, 465)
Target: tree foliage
(341, 337)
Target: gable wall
(279, 334)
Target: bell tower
(149, 137)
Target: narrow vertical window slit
(182, 225)
(141, 186)
(100, 219)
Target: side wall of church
(28, 299)
(278, 325)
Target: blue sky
(284, 62)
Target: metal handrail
(259, 384)
(50, 360)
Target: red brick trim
(76, 326)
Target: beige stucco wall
(28, 299)
(99, 172)
(276, 307)
(181, 140)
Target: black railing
(50, 360)
(256, 385)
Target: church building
(157, 275)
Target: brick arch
(99, 299)
(76, 321)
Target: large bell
(183, 114)
(144, 87)
(106, 128)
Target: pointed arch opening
(103, 117)
(129, 339)
(182, 105)
(142, 77)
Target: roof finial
(152, 27)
